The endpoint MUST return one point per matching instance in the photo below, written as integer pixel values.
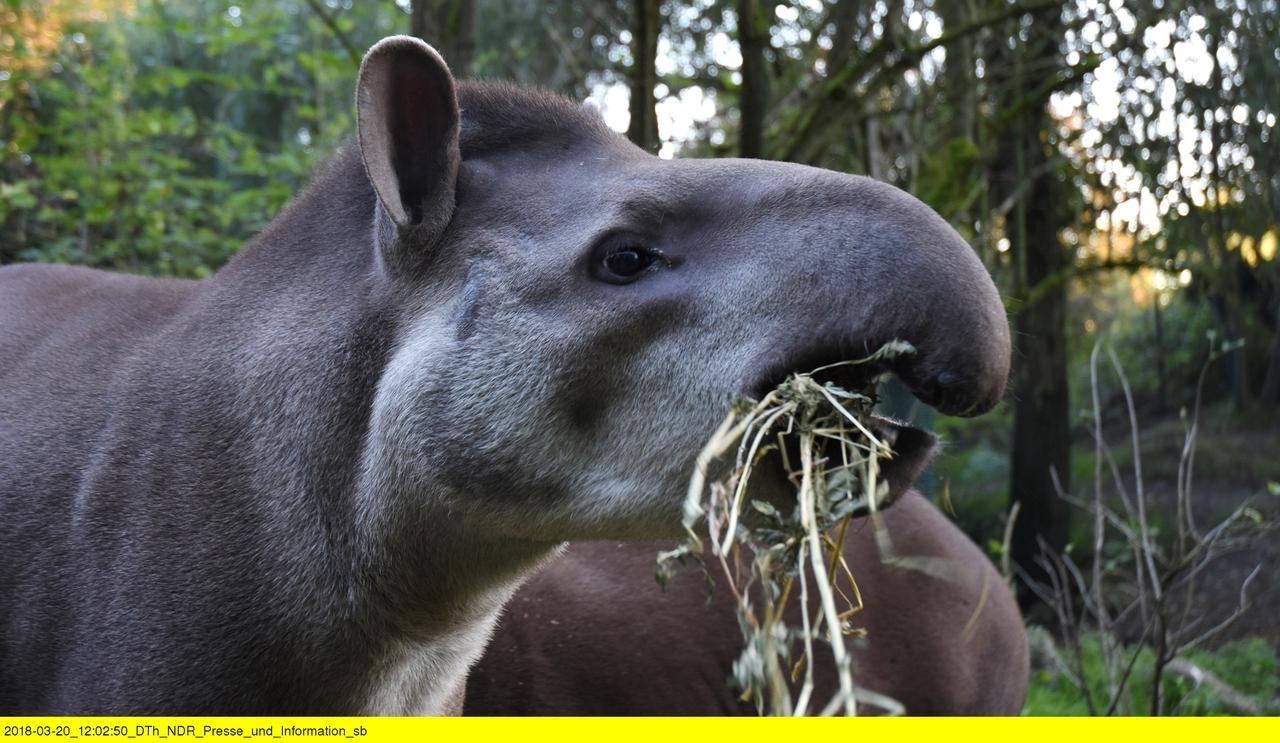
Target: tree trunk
(961, 85)
(1162, 402)
(1270, 394)
(1229, 264)
(961, 96)
(1041, 417)
(643, 129)
(753, 39)
(1041, 412)
(843, 17)
(449, 26)
(872, 132)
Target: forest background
(1115, 164)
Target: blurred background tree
(1114, 163)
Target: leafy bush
(1189, 329)
(158, 141)
(974, 470)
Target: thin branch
(1006, 543)
(1144, 530)
(842, 84)
(1228, 694)
(1240, 609)
(1075, 270)
(352, 51)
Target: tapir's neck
(439, 625)
(429, 633)
(441, 580)
(409, 592)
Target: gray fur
(308, 483)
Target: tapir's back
(67, 335)
(71, 317)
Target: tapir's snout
(889, 267)
(954, 394)
(954, 312)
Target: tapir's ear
(407, 115)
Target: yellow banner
(624, 730)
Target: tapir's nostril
(956, 398)
(948, 379)
(953, 394)
(958, 395)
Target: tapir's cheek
(503, 478)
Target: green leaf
(18, 195)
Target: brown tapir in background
(591, 634)
(491, 325)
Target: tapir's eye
(625, 262)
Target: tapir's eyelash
(657, 254)
(666, 260)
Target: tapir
(490, 325)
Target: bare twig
(1164, 582)
(1240, 609)
(1228, 694)
(332, 24)
(1006, 543)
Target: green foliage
(1189, 325)
(1249, 666)
(157, 139)
(974, 469)
(159, 142)
(565, 46)
(948, 178)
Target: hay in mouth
(826, 438)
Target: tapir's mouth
(947, 390)
(829, 367)
(912, 447)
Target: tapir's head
(578, 314)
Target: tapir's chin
(913, 449)
(658, 523)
